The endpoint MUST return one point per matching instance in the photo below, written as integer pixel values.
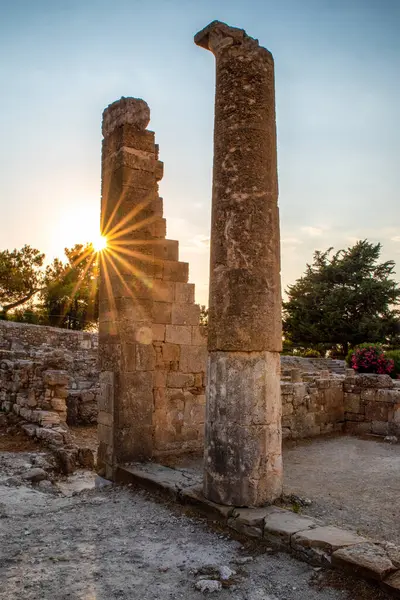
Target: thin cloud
(313, 231)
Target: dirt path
(352, 482)
(116, 543)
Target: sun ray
(78, 285)
(132, 269)
(110, 295)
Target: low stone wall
(79, 353)
(36, 390)
(312, 408)
(29, 338)
(316, 402)
(372, 404)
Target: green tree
(70, 295)
(343, 299)
(21, 277)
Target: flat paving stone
(280, 524)
(368, 560)
(158, 476)
(327, 538)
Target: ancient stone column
(243, 464)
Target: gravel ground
(352, 482)
(117, 543)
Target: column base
(243, 439)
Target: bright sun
(99, 243)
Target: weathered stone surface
(368, 560)
(147, 310)
(52, 377)
(245, 300)
(392, 584)
(280, 525)
(35, 475)
(328, 539)
(243, 431)
(132, 111)
(243, 464)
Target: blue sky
(338, 115)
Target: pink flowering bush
(371, 359)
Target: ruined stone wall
(35, 390)
(312, 408)
(79, 351)
(372, 404)
(22, 336)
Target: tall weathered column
(243, 464)
(131, 220)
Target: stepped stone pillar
(243, 463)
(151, 349)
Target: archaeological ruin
(151, 347)
(242, 462)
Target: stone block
(280, 525)
(58, 404)
(366, 560)
(287, 388)
(109, 357)
(171, 353)
(368, 394)
(158, 331)
(326, 539)
(179, 334)
(127, 358)
(180, 380)
(193, 358)
(52, 377)
(162, 312)
(176, 271)
(388, 396)
(106, 396)
(185, 314)
(352, 403)
(199, 335)
(378, 411)
(145, 357)
(105, 418)
(354, 417)
(166, 249)
(158, 229)
(370, 380)
(184, 292)
(160, 379)
(358, 428)
(49, 435)
(380, 427)
(163, 291)
(249, 521)
(133, 442)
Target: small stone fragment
(35, 475)
(368, 560)
(391, 439)
(226, 573)
(208, 586)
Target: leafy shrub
(395, 356)
(370, 358)
(310, 353)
